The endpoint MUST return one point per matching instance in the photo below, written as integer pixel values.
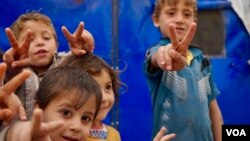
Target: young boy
(109, 82)
(34, 45)
(179, 77)
(67, 108)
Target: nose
(179, 18)
(76, 125)
(104, 96)
(39, 42)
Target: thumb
(5, 116)
(21, 63)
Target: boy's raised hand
(35, 130)
(173, 56)
(162, 137)
(17, 55)
(81, 41)
(9, 102)
(182, 46)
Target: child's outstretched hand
(34, 130)
(81, 41)
(9, 102)
(162, 137)
(173, 56)
(17, 55)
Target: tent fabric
(122, 38)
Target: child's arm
(16, 57)
(162, 137)
(33, 130)
(216, 120)
(81, 41)
(173, 56)
(9, 102)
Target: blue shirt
(181, 99)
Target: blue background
(123, 30)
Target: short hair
(17, 26)
(68, 79)
(94, 65)
(160, 3)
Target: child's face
(108, 98)
(77, 122)
(181, 15)
(43, 45)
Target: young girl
(70, 99)
(109, 82)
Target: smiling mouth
(70, 139)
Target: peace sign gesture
(172, 57)
(81, 41)
(9, 102)
(35, 130)
(160, 136)
(17, 55)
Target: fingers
(168, 137)
(3, 68)
(173, 36)
(52, 126)
(160, 134)
(5, 116)
(88, 38)
(8, 56)
(188, 38)
(11, 38)
(161, 56)
(67, 34)
(167, 57)
(79, 30)
(22, 113)
(16, 81)
(25, 46)
(77, 51)
(21, 63)
(40, 129)
(36, 122)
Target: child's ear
(155, 20)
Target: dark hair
(69, 79)
(94, 65)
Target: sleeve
(148, 68)
(3, 133)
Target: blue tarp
(126, 49)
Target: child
(179, 77)
(109, 82)
(34, 44)
(70, 99)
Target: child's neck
(40, 71)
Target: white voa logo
(236, 132)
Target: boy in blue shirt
(179, 77)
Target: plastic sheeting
(242, 8)
(125, 50)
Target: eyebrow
(66, 104)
